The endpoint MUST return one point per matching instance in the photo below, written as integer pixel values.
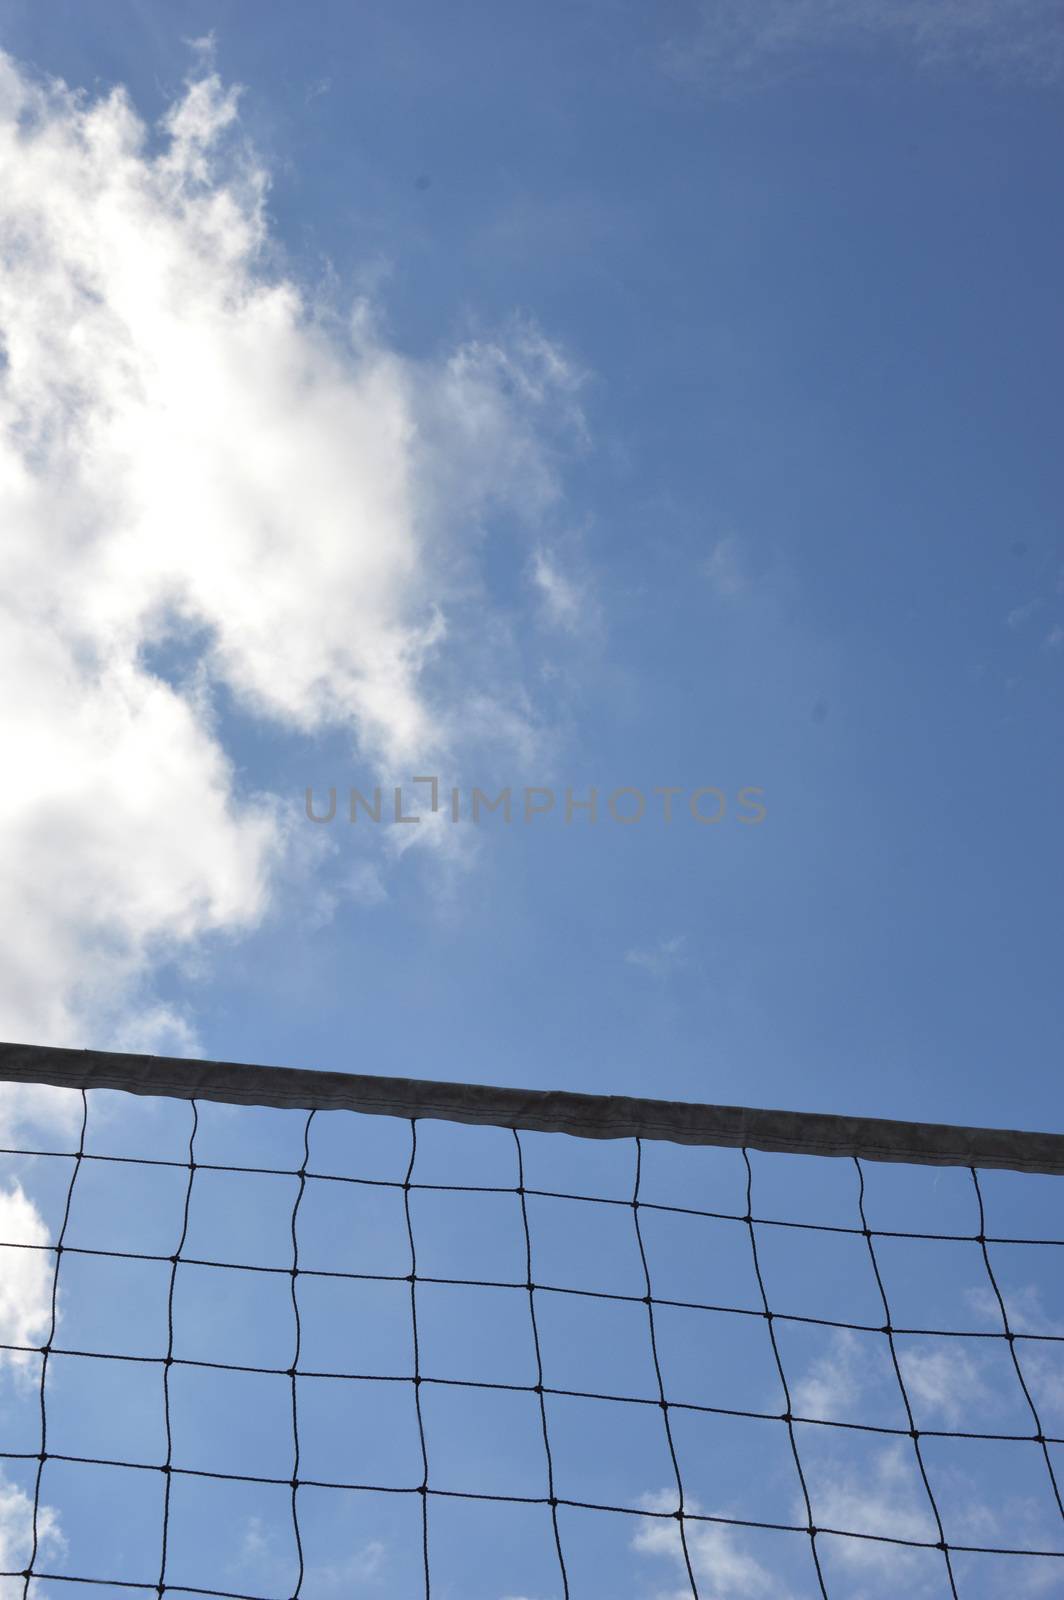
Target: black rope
(685, 1516)
(788, 1416)
(637, 1513)
(545, 1288)
(46, 1350)
(294, 1369)
(545, 1194)
(1040, 1438)
(423, 1486)
(523, 1388)
(649, 1299)
(168, 1359)
(539, 1389)
(913, 1430)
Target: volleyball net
(280, 1335)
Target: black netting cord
(168, 1360)
(46, 1349)
(788, 1415)
(913, 1430)
(551, 1496)
(423, 1487)
(294, 1369)
(1040, 1437)
(649, 1300)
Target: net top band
(587, 1116)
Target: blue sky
(554, 398)
(101, 1493)
(809, 311)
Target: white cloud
(16, 1535)
(26, 1278)
(1023, 1306)
(561, 597)
(26, 1108)
(943, 1383)
(723, 1568)
(660, 959)
(196, 454)
(157, 1030)
(361, 1566)
(724, 568)
(741, 41)
(1043, 1370)
(1054, 639)
(262, 1552)
(565, 599)
(832, 1385)
(1042, 1364)
(1021, 614)
(886, 1500)
(880, 1492)
(256, 1543)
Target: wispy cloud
(724, 1567)
(197, 452)
(886, 1499)
(564, 598)
(873, 1489)
(25, 1317)
(943, 1384)
(832, 1383)
(263, 1553)
(1021, 614)
(737, 43)
(16, 1530)
(662, 958)
(38, 1105)
(26, 1280)
(724, 568)
(1024, 1308)
(1042, 1364)
(362, 1566)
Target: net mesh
(275, 1355)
